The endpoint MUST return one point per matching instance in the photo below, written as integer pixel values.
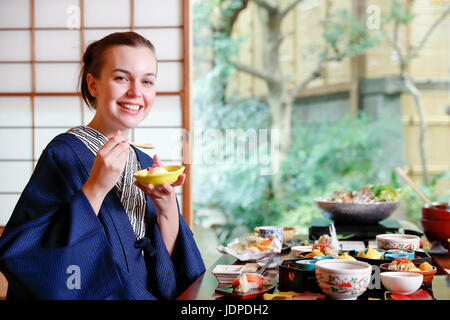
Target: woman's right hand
(106, 170)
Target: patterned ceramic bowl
(343, 279)
(398, 241)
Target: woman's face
(125, 88)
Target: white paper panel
(168, 42)
(179, 198)
(94, 35)
(15, 111)
(17, 77)
(7, 204)
(14, 175)
(57, 77)
(167, 142)
(58, 111)
(15, 46)
(57, 13)
(166, 111)
(158, 13)
(43, 138)
(88, 114)
(16, 144)
(105, 13)
(58, 45)
(15, 13)
(170, 77)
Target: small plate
(228, 291)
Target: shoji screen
(41, 42)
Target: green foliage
(347, 36)
(399, 14)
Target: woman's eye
(120, 78)
(148, 82)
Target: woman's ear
(91, 83)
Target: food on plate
(322, 249)
(370, 253)
(367, 194)
(403, 264)
(253, 243)
(346, 256)
(425, 266)
(155, 169)
(314, 253)
(248, 282)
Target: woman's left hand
(165, 203)
(164, 198)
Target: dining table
(204, 288)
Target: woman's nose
(135, 89)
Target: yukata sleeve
(169, 274)
(54, 246)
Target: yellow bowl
(159, 179)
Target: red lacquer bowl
(439, 211)
(437, 230)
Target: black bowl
(356, 213)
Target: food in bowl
(158, 179)
(155, 169)
(425, 266)
(367, 194)
(402, 264)
(343, 279)
(370, 253)
(427, 274)
(345, 256)
(401, 282)
(398, 241)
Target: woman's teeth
(130, 106)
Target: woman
(81, 228)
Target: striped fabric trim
(132, 198)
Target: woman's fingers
(156, 160)
(113, 142)
(180, 180)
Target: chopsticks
(142, 145)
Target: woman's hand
(165, 203)
(106, 170)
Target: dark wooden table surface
(204, 287)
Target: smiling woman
(81, 209)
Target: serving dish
(398, 241)
(427, 274)
(356, 213)
(401, 282)
(343, 279)
(159, 179)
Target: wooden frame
(185, 94)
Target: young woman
(82, 228)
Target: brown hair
(93, 58)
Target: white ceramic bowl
(398, 241)
(343, 279)
(401, 282)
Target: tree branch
(289, 7)
(267, 4)
(314, 75)
(253, 71)
(416, 50)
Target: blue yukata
(55, 247)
